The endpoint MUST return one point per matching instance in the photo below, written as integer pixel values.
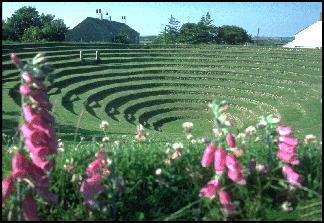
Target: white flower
(140, 127)
(117, 143)
(276, 120)
(286, 206)
(251, 130)
(310, 139)
(193, 141)
(177, 145)
(105, 139)
(158, 172)
(241, 135)
(217, 132)
(189, 136)
(60, 145)
(187, 126)
(108, 161)
(104, 125)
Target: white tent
(310, 37)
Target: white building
(310, 37)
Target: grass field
(162, 86)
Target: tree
(46, 19)
(188, 33)
(206, 32)
(21, 20)
(172, 31)
(124, 36)
(33, 33)
(55, 30)
(26, 24)
(233, 35)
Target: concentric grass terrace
(162, 86)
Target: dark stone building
(92, 29)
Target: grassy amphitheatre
(161, 87)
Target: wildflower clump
(94, 183)
(37, 135)
(222, 159)
(187, 129)
(287, 153)
(141, 135)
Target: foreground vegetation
(173, 194)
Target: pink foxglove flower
(288, 157)
(101, 154)
(220, 160)
(284, 130)
(27, 77)
(29, 207)
(208, 156)
(24, 89)
(40, 99)
(230, 140)
(49, 120)
(43, 164)
(48, 196)
(95, 167)
(7, 188)
(28, 113)
(15, 59)
(231, 162)
(288, 140)
(287, 148)
(20, 166)
(226, 202)
(293, 177)
(210, 189)
(236, 176)
(235, 171)
(90, 188)
(27, 130)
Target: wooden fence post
(81, 55)
(97, 56)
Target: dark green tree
(55, 30)
(46, 19)
(124, 36)
(233, 35)
(189, 33)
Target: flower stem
(20, 149)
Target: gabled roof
(93, 28)
(310, 37)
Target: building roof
(93, 28)
(310, 37)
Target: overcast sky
(148, 18)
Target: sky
(275, 19)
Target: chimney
(320, 16)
